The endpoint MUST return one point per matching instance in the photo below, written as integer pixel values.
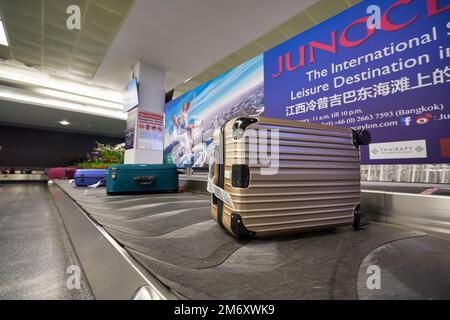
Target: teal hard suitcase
(141, 178)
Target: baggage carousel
(166, 246)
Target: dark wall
(36, 148)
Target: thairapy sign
(394, 80)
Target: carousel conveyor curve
(175, 239)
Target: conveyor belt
(174, 238)
(415, 268)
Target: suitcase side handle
(144, 181)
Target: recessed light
(3, 37)
(64, 123)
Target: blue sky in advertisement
(219, 90)
(394, 81)
(236, 92)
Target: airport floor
(35, 250)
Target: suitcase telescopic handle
(145, 180)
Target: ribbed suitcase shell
(317, 185)
(88, 177)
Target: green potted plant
(103, 155)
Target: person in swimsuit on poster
(182, 134)
(189, 125)
(178, 136)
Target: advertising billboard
(190, 120)
(392, 78)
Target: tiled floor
(35, 250)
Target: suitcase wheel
(359, 219)
(240, 125)
(238, 228)
(361, 138)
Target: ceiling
(200, 39)
(313, 15)
(39, 37)
(197, 39)
(21, 114)
(184, 37)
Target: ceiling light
(188, 79)
(3, 37)
(64, 122)
(33, 77)
(79, 99)
(23, 96)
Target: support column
(151, 84)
